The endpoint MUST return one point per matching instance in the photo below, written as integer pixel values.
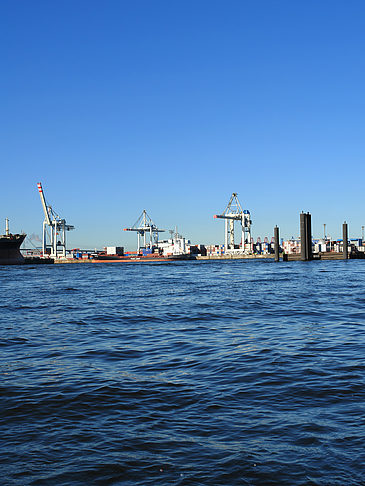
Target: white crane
(144, 226)
(57, 239)
(232, 213)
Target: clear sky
(170, 106)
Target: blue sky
(168, 106)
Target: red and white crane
(55, 247)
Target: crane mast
(54, 241)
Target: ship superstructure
(175, 245)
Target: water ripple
(199, 373)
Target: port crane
(56, 246)
(145, 228)
(232, 213)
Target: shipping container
(114, 250)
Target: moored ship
(10, 247)
(142, 257)
(172, 249)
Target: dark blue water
(195, 373)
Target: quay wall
(234, 257)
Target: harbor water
(187, 373)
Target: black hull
(10, 249)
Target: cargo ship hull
(10, 249)
(140, 258)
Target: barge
(139, 258)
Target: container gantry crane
(145, 227)
(56, 247)
(232, 213)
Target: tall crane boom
(43, 200)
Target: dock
(292, 257)
(233, 256)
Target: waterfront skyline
(172, 107)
